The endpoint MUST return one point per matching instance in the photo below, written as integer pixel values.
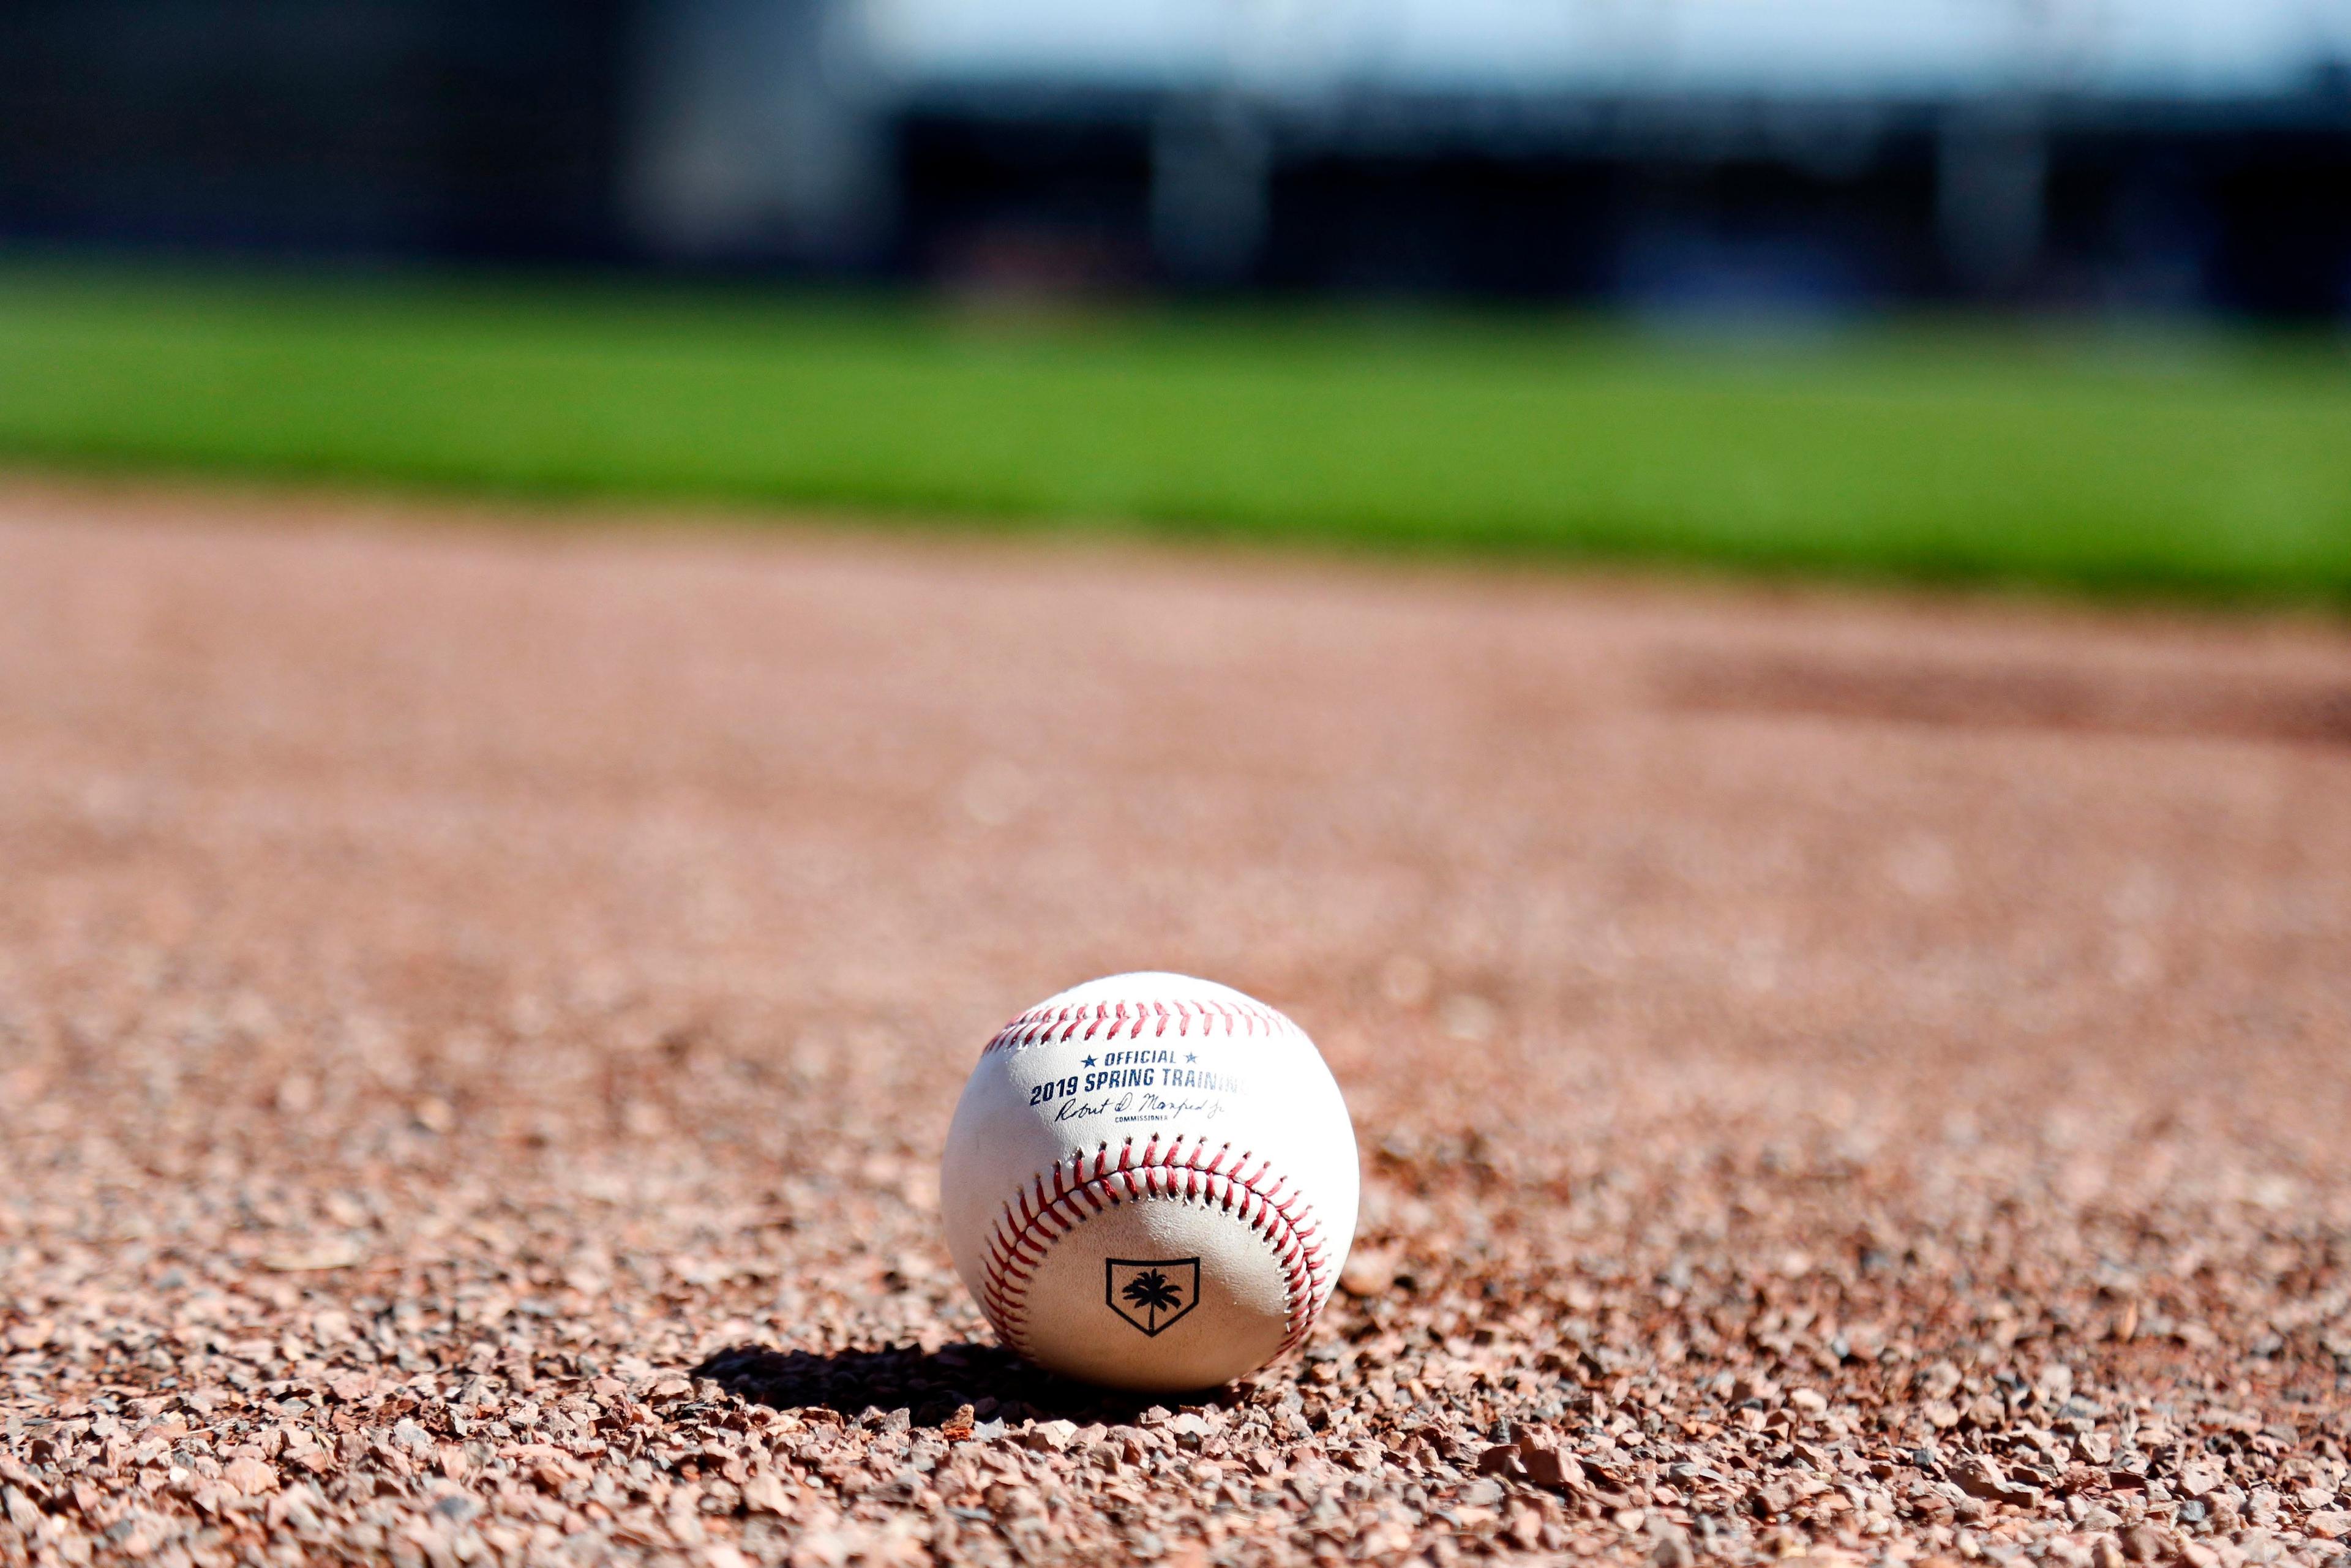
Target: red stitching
(1285, 1221)
(1043, 1025)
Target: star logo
(1090, 1062)
(1191, 1056)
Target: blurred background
(2174, 155)
(2039, 290)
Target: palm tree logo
(1152, 1293)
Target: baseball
(1150, 1183)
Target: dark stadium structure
(600, 133)
(390, 127)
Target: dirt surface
(480, 1003)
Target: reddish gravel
(479, 1003)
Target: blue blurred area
(1679, 156)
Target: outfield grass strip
(2214, 465)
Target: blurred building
(368, 127)
(2158, 155)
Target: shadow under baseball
(931, 1387)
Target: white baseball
(1150, 1183)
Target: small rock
(1053, 1436)
(352, 1386)
(251, 1477)
(1980, 1478)
(1547, 1463)
(1188, 1428)
(1501, 1459)
(765, 1494)
(1937, 1380)
(1370, 1271)
(2196, 1478)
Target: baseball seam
(1037, 1218)
(1109, 1020)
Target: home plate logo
(1152, 1293)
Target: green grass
(2213, 466)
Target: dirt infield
(479, 1004)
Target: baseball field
(1853, 1074)
(2197, 462)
